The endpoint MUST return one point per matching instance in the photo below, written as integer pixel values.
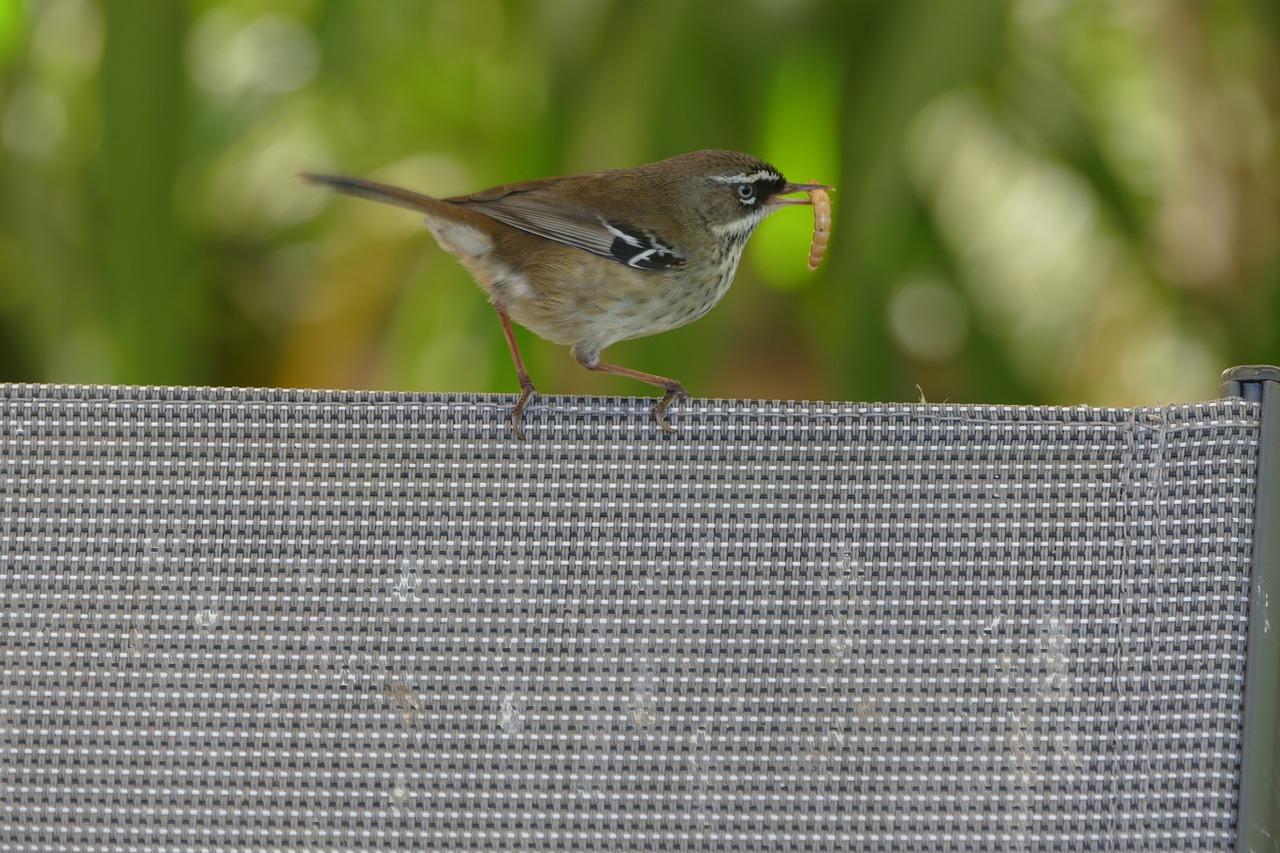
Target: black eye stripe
(770, 186)
(765, 181)
(764, 186)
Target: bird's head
(732, 192)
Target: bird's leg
(675, 390)
(526, 384)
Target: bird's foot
(517, 411)
(675, 391)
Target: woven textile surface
(253, 618)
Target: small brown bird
(592, 259)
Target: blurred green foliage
(1040, 201)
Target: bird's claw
(517, 411)
(659, 408)
(674, 393)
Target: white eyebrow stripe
(763, 174)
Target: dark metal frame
(1259, 813)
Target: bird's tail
(384, 193)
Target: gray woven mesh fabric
(238, 618)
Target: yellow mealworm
(821, 227)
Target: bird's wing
(534, 207)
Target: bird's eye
(746, 192)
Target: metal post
(1259, 815)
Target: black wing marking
(639, 250)
(525, 207)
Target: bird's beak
(779, 201)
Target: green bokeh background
(1039, 201)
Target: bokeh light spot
(35, 122)
(274, 54)
(928, 319)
